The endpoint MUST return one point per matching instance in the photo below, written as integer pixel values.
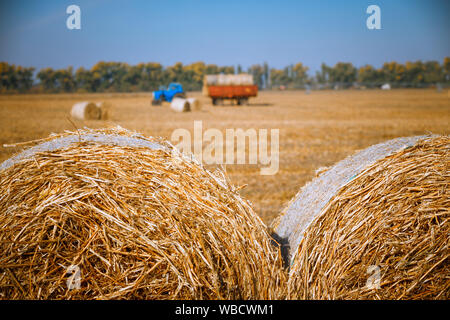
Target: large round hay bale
(86, 111)
(180, 105)
(111, 214)
(384, 233)
(194, 104)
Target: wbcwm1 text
(227, 309)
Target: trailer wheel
(217, 101)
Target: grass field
(316, 129)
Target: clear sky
(281, 32)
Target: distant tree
(47, 79)
(211, 69)
(64, 80)
(343, 74)
(121, 77)
(195, 72)
(174, 73)
(369, 76)
(24, 78)
(226, 70)
(15, 78)
(414, 74)
(279, 77)
(446, 67)
(152, 76)
(299, 75)
(434, 72)
(322, 76)
(394, 73)
(266, 72)
(257, 71)
(109, 76)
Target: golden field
(316, 129)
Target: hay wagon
(238, 88)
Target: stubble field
(316, 129)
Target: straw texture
(137, 222)
(390, 226)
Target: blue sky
(34, 32)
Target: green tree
(279, 77)
(343, 74)
(300, 75)
(446, 67)
(414, 74)
(433, 73)
(369, 76)
(394, 73)
(257, 71)
(84, 80)
(64, 80)
(15, 78)
(47, 78)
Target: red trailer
(238, 88)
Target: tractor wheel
(180, 95)
(156, 102)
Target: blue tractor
(174, 90)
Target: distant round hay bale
(111, 214)
(194, 104)
(384, 234)
(180, 105)
(105, 110)
(86, 111)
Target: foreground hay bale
(133, 219)
(180, 105)
(86, 111)
(384, 234)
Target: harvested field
(316, 130)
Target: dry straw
(137, 222)
(385, 234)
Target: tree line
(122, 77)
